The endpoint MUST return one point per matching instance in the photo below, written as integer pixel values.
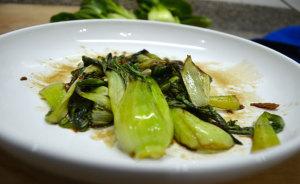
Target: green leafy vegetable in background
(161, 13)
(96, 9)
(147, 99)
(177, 11)
(178, 8)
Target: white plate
(24, 132)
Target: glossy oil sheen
(143, 125)
(197, 134)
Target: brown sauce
(240, 80)
(59, 72)
(106, 135)
(234, 80)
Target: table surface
(14, 171)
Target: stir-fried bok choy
(151, 101)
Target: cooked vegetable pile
(151, 101)
(177, 11)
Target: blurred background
(245, 18)
(250, 19)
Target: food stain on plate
(106, 135)
(56, 71)
(240, 80)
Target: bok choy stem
(264, 135)
(143, 125)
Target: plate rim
(273, 154)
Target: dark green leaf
(200, 21)
(179, 8)
(63, 16)
(96, 9)
(87, 14)
(237, 129)
(97, 6)
(75, 74)
(91, 82)
(105, 7)
(276, 121)
(140, 14)
(79, 111)
(66, 123)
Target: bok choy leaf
(53, 94)
(229, 102)
(264, 135)
(98, 95)
(143, 125)
(197, 83)
(116, 89)
(197, 134)
(60, 111)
